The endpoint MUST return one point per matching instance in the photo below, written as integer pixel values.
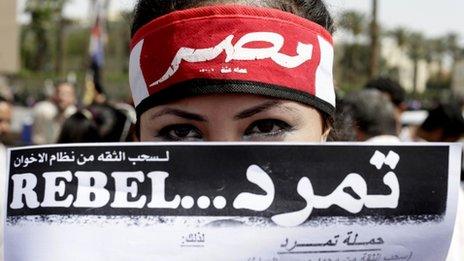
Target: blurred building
(397, 62)
(457, 83)
(9, 44)
(398, 58)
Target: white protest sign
(227, 201)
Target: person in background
(443, 124)
(371, 116)
(397, 95)
(50, 115)
(5, 127)
(97, 123)
(79, 128)
(392, 89)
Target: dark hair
(79, 128)
(2, 99)
(447, 117)
(372, 113)
(314, 10)
(343, 127)
(112, 123)
(97, 123)
(389, 86)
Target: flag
(97, 47)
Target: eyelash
(283, 127)
(165, 134)
(251, 131)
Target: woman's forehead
(230, 106)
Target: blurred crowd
(61, 118)
(378, 112)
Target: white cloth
(48, 121)
(456, 252)
(384, 139)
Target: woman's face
(232, 117)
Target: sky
(432, 17)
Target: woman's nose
(223, 136)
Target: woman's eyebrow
(260, 108)
(178, 113)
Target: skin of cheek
(310, 131)
(221, 125)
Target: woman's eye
(180, 132)
(269, 127)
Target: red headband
(232, 49)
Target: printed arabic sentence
(350, 239)
(63, 157)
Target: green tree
(400, 34)
(452, 45)
(417, 51)
(374, 58)
(354, 23)
(436, 50)
(352, 65)
(41, 17)
(46, 17)
(60, 26)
